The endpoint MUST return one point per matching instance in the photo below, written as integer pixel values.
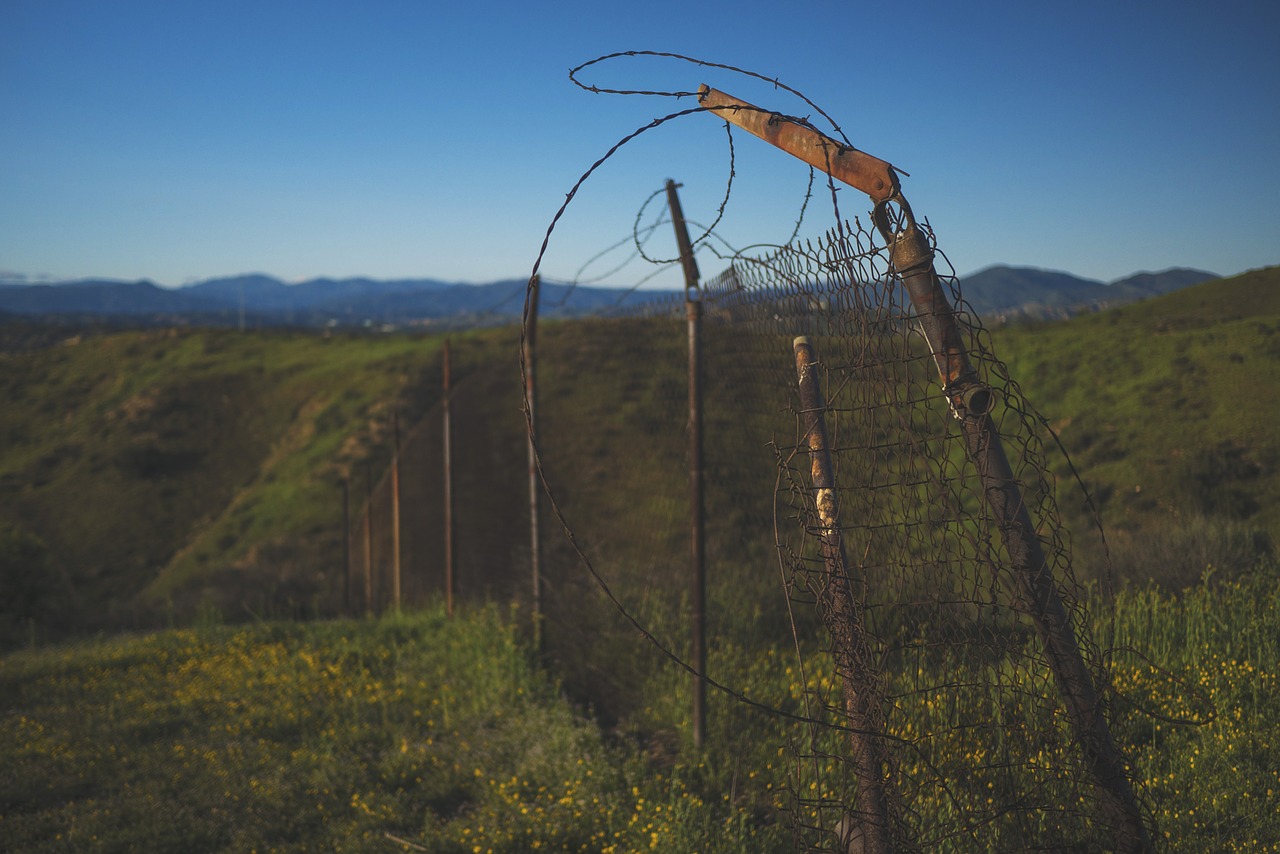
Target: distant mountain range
(995, 294)
(260, 300)
(1003, 293)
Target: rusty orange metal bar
(858, 169)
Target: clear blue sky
(177, 140)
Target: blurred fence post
(843, 618)
(693, 311)
(531, 401)
(368, 541)
(395, 510)
(446, 380)
(346, 545)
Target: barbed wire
(773, 81)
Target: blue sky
(177, 141)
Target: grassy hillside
(140, 464)
(202, 467)
(146, 474)
(1169, 409)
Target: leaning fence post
(531, 401)
(970, 400)
(693, 311)
(842, 615)
(971, 403)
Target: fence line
(760, 497)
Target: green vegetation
(330, 736)
(309, 736)
(1168, 408)
(1201, 717)
(165, 470)
(156, 473)
(192, 477)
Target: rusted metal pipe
(697, 533)
(842, 615)
(697, 537)
(687, 262)
(346, 545)
(368, 541)
(848, 165)
(395, 511)
(1034, 582)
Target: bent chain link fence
(980, 749)
(973, 744)
(974, 747)
(971, 714)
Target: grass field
(330, 736)
(342, 735)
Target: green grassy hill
(202, 468)
(146, 474)
(1169, 409)
(137, 466)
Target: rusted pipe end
(910, 250)
(975, 400)
(801, 341)
(978, 400)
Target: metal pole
(346, 545)
(448, 483)
(970, 401)
(531, 398)
(368, 542)
(693, 311)
(395, 511)
(842, 615)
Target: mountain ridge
(1005, 292)
(998, 293)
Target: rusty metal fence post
(843, 618)
(395, 511)
(447, 379)
(693, 311)
(971, 403)
(368, 542)
(346, 545)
